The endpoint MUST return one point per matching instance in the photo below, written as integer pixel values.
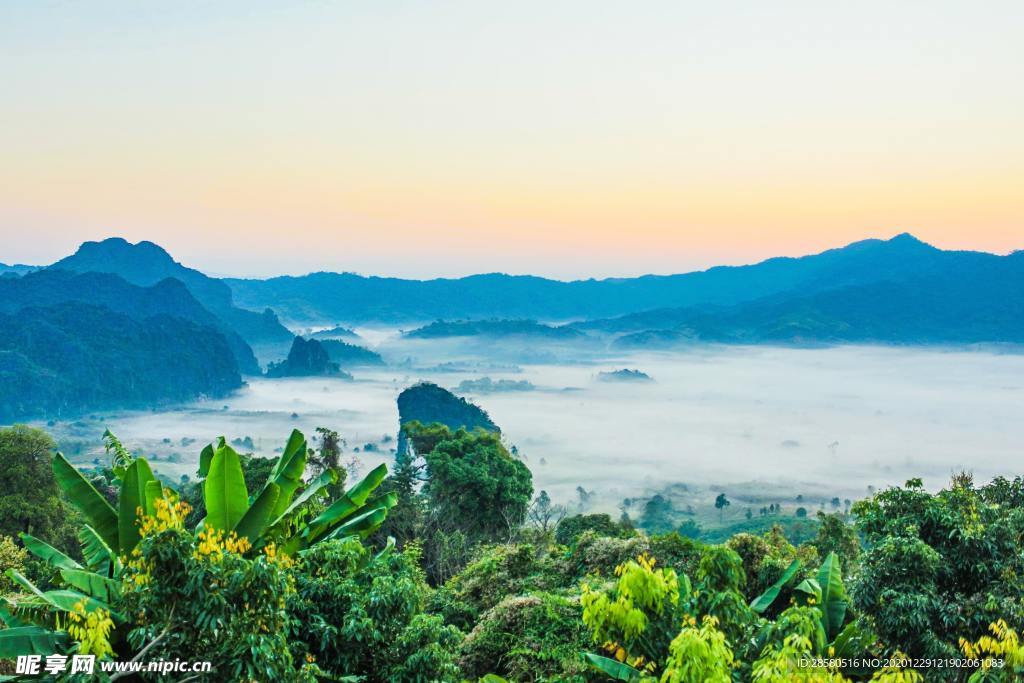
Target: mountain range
(900, 290)
(47, 287)
(356, 298)
(146, 264)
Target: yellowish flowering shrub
(699, 655)
(91, 630)
(1001, 655)
(639, 618)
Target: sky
(561, 138)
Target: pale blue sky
(565, 138)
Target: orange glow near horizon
(446, 139)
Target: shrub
(536, 637)
(357, 614)
(496, 573)
(571, 528)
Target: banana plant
(270, 514)
(826, 592)
(110, 534)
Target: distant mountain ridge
(15, 269)
(975, 299)
(354, 298)
(70, 358)
(146, 264)
(169, 297)
(492, 328)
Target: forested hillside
(354, 298)
(973, 302)
(146, 264)
(450, 567)
(167, 297)
(428, 403)
(66, 359)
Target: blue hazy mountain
(426, 402)
(16, 269)
(493, 328)
(70, 358)
(170, 297)
(973, 298)
(356, 298)
(146, 264)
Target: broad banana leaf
(617, 671)
(326, 478)
(287, 473)
(811, 589)
(344, 507)
(205, 458)
(131, 502)
(154, 490)
(31, 640)
(254, 521)
(92, 584)
(853, 641)
(48, 553)
(224, 489)
(98, 555)
(61, 600)
(765, 600)
(363, 525)
(834, 600)
(87, 499)
(9, 619)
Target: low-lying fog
(824, 421)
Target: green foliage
(476, 484)
(475, 492)
(638, 618)
(96, 359)
(765, 600)
(766, 558)
(720, 581)
(836, 535)
(940, 566)
(699, 655)
(200, 598)
(497, 572)
(30, 502)
(600, 555)
(534, 637)
(362, 614)
(224, 491)
(12, 557)
(571, 528)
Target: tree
(473, 483)
(721, 502)
(30, 502)
(474, 491)
(835, 535)
(328, 457)
(544, 514)
(801, 512)
(659, 514)
(274, 521)
(939, 566)
(363, 614)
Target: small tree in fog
(721, 502)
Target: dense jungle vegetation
(449, 566)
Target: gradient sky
(560, 138)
